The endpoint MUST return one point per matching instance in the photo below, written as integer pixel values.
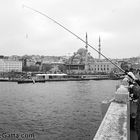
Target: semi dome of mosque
(77, 55)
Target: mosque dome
(80, 57)
(81, 51)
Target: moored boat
(4, 79)
(30, 81)
(65, 77)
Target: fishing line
(41, 13)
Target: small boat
(21, 81)
(4, 79)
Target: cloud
(116, 22)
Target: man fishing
(135, 89)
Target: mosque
(82, 62)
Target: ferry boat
(66, 77)
(59, 77)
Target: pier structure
(116, 117)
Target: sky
(23, 31)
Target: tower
(99, 48)
(86, 57)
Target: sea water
(68, 110)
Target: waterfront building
(75, 68)
(102, 67)
(10, 65)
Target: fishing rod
(41, 13)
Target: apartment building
(10, 65)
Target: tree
(46, 67)
(31, 68)
(125, 65)
(62, 68)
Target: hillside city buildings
(74, 64)
(81, 62)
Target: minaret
(86, 42)
(86, 57)
(99, 48)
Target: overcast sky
(23, 31)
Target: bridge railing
(116, 121)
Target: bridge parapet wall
(116, 121)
